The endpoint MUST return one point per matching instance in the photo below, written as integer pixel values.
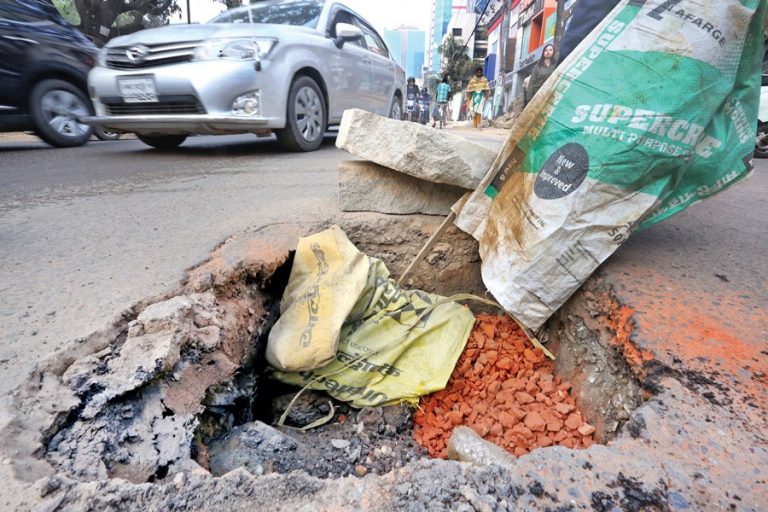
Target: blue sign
(481, 5)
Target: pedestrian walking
(442, 95)
(541, 72)
(477, 92)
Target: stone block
(414, 149)
(369, 187)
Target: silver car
(291, 67)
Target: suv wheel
(56, 107)
(305, 125)
(162, 141)
(396, 110)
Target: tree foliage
(68, 11)
(102, 20)
(230, 3)
(455, 61)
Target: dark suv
(44, 64)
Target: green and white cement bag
(653, 112)
(395, 345)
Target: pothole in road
(185, 387)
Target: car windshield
(277, 12)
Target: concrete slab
(415, 149)
(369, 187)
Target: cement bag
(653, 112)
(387, 353)
(327, 277)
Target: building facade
(442, 11)
(517, 30)
(407, 47)
(537, 20)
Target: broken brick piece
(573, 421)
(535, 422)
(529, 355)
(523, 397)
(517, 411)
(456, 417)
(488, 329)
(546, 386)
(507, 420)
(509, 384)
(532, 388)
(523, 431)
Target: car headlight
(256, 48)
(101, 58)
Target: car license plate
(138, 90)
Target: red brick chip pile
(506, 391)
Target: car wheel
(103, 134)
(162, 141)
(396, 110)
(761, 141)
(56, 107)
(305, 124)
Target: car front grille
(181, 104)
(147, 56)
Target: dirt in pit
(592, 338)
(372, 440)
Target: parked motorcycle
(761, 138)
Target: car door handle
(20, 39)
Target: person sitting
(424, 101)
(411, 89)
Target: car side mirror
(346, 32)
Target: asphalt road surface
(86, 232)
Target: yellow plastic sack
(327, 277)
(387, 353)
